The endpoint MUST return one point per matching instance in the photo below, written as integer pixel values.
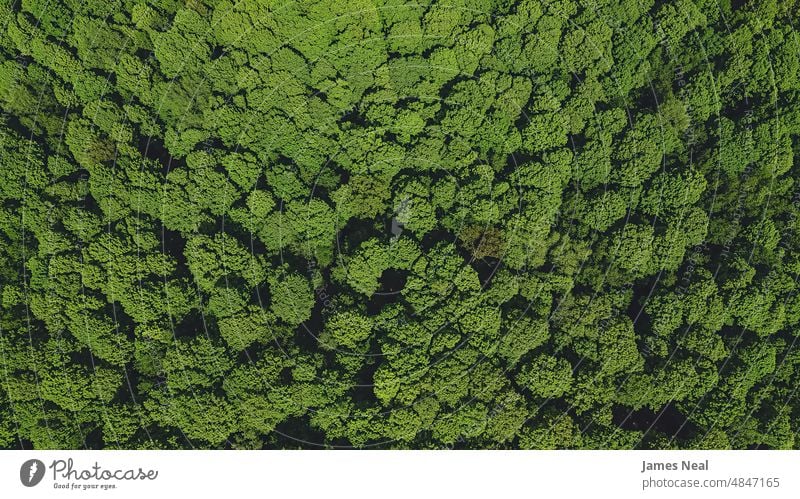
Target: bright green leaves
(549, 176)
(260, 204)
(191, 367)
(189, 198)
(545, 131)
(670, 192)
(23, 166)
(639, 153)
(676, 19)
(211, 260)
(364, 196)
(245, 214)
(415, 213)
(246, 327)
(291, 297)
(556, 431)
(546, 376)
(540, 47)
(631, 249)
(437, 276)
(602, 211)
(521, 336)
(204, 419)
(182, 48)
(363, 270)
(588, 50)
(98, 44)
(471, 46)
(305, 227)
(196, 364)
(346, 330)
(243, 169)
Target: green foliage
(477, 224)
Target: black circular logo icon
(31, 472)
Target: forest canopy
(382, 224)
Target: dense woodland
(384, 224)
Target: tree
(453, 225)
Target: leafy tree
(477, 224)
